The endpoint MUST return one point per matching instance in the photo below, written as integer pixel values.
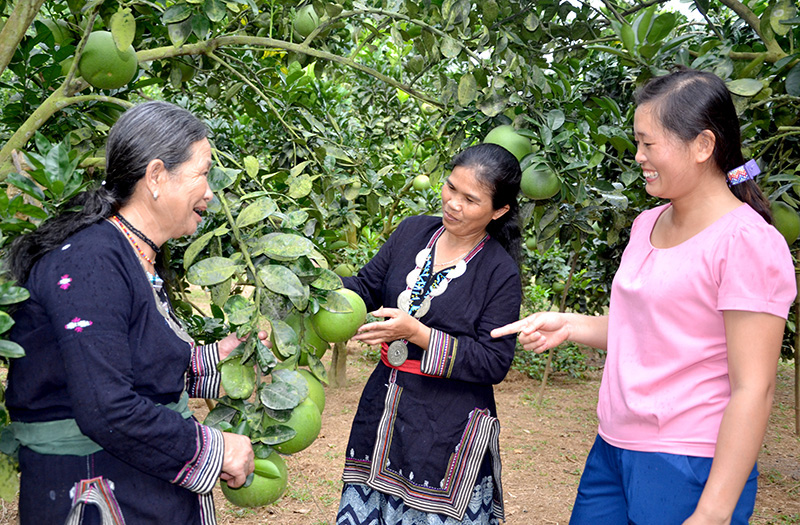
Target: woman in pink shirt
(695, 323)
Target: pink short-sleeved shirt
(665, 383)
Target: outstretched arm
(544, 330)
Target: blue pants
(620, 487)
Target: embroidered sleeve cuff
(203, 379)
(440, 356)
(200, 474)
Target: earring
(155, 195)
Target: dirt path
(543, 451)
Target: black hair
(153, 130)
(498, 169)
(687, 102)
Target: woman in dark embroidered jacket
(99, 401)
(424, 442)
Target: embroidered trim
(78, 324)
(749, 170)
(440, 357)
(200, 473)
(64, 282)
(204, 379)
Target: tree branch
(775, 52)
(15, 27)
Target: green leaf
(293, 378)
(467, 89)
(220, 292)
(300, 186)
(123, 28)
(284, 338)
(195, 248)
(336, 303)
(11, 350)
(662, 26)
(782, 10)
(450, 47)
(745, 87)
(212, 271)
(327, 280)
(280, 396)
(6, 322)
(220, 178)
(555, 119)
(239, 309)
(251, 166)
(26, 185)
(295, 219)
(256, 211)
(281, 280)
(219, 414)
(627, 37)
(178, 33)
(12, 294)
(274, 434)
(793, 81)
(176, 13)
(641, 26)
(284, 246)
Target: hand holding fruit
(238, 459)
(398, 325)
(538, 332)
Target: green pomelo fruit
(103, 65)
(421, 182)
(265, 489)
(530, 242)
(316, 392)
(539, 183)
(306, 20)
(558, 287)
(336, 327)
(306, 420)
(786, 220)
(344, 270)
(238, 380)
(507, 137)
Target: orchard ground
(543, 448)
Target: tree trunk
(15, 27)
(337, 375)
(797, 350)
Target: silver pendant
(423, 307)
(397, 353)
(404, 300)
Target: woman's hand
(238, 460)
(398, 325)
(538, 332)
(231, 341)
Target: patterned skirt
(362, 505)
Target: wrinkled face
(185, 192)
(466, 203)
(666, 161)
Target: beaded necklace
(129, 235)
(137, 233)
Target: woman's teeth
(650, 175)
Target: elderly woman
(99, 401)
(424, 445)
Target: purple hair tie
(746, 172)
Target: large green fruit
(507, 137)
(306, 20)
(344, 270)
(306, 420)
(269, 483)
(336, 327)
(786, 221)
(316, 392)
(421, 182)
(539, 182)
(103, 65)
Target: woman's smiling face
(466, 203)
(186, 192)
